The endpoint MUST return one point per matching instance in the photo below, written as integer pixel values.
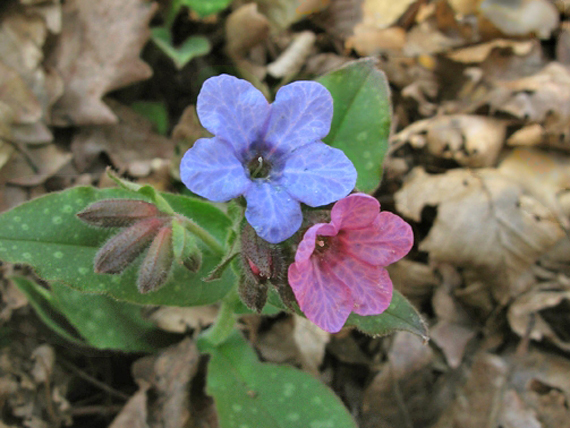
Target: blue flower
(270, 154)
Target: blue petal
(233, 110)
(317, 174)
(211, 170)
(273, 214)
(301, 114)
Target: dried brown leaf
(98, 52)
(131, 144)
(484, 221)
(397, 396)
(481, 52)
(478, 399)
(522, 17)
(473, 141)
(311, 342)
(180, 320)
(245, 28)
(134, 414)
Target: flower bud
(252, 294)
(185, 248)
(157, 263)
(123, 248)
(117, 212)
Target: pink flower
(339, 266)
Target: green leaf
(155, 112)
(41, 300)
(46, 234)
(400, 315)
(249, 393)
(103, 322)
(362, 116)
(206, 7)
(181, 55)
(106, 323)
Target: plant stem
(224, 324)
(203, 234)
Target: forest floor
(478, 164)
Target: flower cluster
(270, 154)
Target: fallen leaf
(541, 314)
(485, 221)
(396, 397)
(168, 374)
(245, 28)
(283, 13)
(383, 13)
(340, 17)
(98, 52)
(291, 60)
(134, 414)
(480, 52)
(521, 17)
(180, 319)
(33, 165)
(311, 342)
(132, 144)
(543, 175)
(476, 401)
(473, 141)
(515, 413)
(543, 98)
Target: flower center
(322, 243)
(259, 167)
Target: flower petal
(301, 114)
(307, 245)
(233, 110)
(370, 286)
(317, 174)
(386, 240)
(272, 212)
(355, 211)
(322, 297)
(211, 170)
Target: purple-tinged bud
(262, 264)
(123, 248)
(157, 263)
(253, 294)
(117, 212)
(256, 253)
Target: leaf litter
(479, 164)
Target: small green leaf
(181, 55)
(46, 234)
(400, 315)
(254, 394)
(155, 112)
(362, 116)
(206, 7)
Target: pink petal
(386, 240)
(355, 211)
(307, 245)
(322, 297)
(370, 286)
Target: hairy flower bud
(123, 248)
(157, 263)
(185, 248)
(117, 212)
(262, 264)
